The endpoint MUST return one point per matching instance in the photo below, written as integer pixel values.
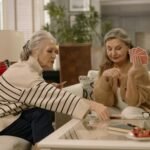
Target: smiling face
(117, 51)
(47, 54)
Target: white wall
(12, 50)
(133, 15)
(132, 24)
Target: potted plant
(81, 31)
(75, 39)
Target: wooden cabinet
(75, 60)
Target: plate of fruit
(140, 134)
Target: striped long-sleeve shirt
(22, 87)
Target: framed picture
(79, 5)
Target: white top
(120, 104)
(22, 86)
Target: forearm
(103, 92)
(48, 97)
(137, 76)
(132, 94)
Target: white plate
(131, 136)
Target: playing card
(138, 55)
(144, 59)
(132, 52)
(140, 51)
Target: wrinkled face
(47, 54)
(117, 51)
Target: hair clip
(26, 46)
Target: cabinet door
(75, 60)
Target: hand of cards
(138, 55)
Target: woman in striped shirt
(28, 100)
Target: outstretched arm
(49, 97)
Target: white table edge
(53, 141)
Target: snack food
(140, 132)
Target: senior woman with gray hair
(29, 100)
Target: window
(46, 16)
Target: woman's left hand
(136, 68)
(139, 73)
(59, 85)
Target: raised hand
(138, 56)
(137, 67)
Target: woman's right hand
(114, 74)
(101, 110)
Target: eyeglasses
(146, 115)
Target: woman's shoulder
(22, 75)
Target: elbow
(132, 98)
(102, 95)
(104, 99)
(132, 101)
(105, 102)
(132, 104)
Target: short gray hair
(118, 33)
(35, 42)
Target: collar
(35, 64)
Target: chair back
(11, 43)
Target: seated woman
(28, 100)
(121, 83)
